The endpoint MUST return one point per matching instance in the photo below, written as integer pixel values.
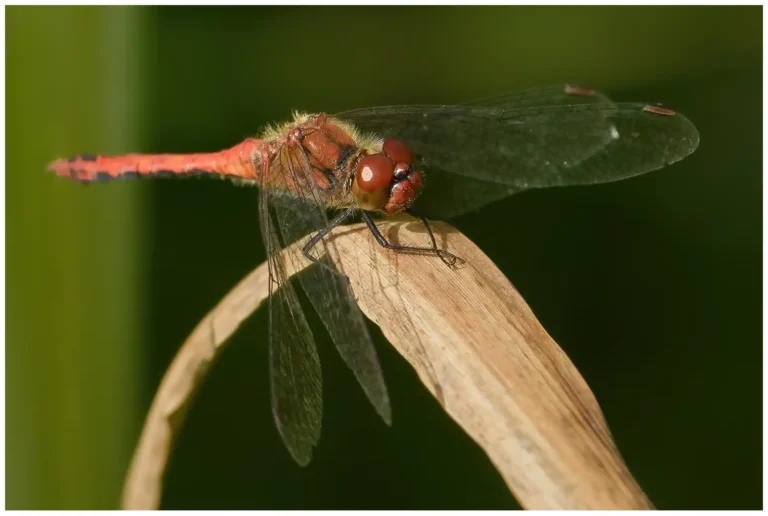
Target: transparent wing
(561, 94)
(294, 365)
(644, 140)
(303, 213)
(501, 139)
(486, 150)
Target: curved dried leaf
(475, 344)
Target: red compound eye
(373, 180)
(374, 172)
(397, 151)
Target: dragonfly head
(385, 181)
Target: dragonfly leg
(448, 258)
(317, 237)
(426, 225)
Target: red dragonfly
(373, 161)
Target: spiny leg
(448, 258)
(426, 225)
(317, 237)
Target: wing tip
(384, 409)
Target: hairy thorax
(314, 155)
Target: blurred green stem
(73, 318)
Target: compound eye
(373, 179)
(397, 151)
(374, 172)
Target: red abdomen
(240, 161)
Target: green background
(652, 286)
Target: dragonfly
(318, 171)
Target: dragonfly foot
(448, 258)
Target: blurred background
(652, 285)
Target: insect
(442, 161)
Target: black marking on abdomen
(102, 176)
(189, 173)
(84, 157)
(129, 174)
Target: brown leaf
(475, 344)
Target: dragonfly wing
(559, 95)
(326, 286)
(513, 139)
(534, 139)
(294, 368)
(447, 195)
(646, 138)
(643, 141)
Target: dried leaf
(475, 344)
